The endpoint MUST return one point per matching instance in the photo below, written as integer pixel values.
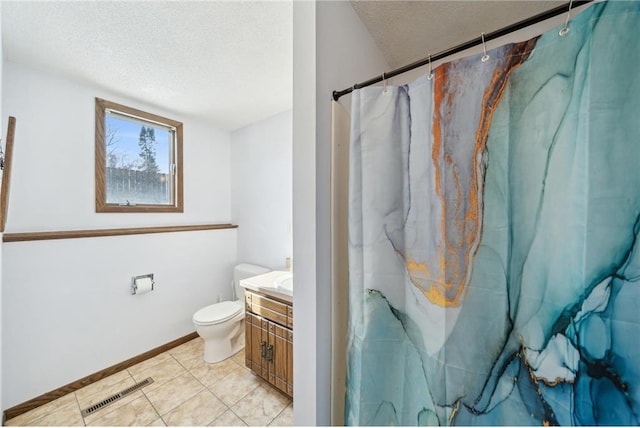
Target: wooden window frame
(101, 162)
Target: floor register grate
(115, 397)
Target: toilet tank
(245, 270)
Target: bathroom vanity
(269, 330)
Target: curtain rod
(466, 45)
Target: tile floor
(185, 391)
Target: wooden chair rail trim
(88, 380)
(98, 233)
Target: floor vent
(115, 397)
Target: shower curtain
(494, 211)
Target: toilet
(221, 325)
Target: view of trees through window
(138, 160)
(138, 157)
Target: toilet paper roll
(143, 285)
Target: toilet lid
(217, 313)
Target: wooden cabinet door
(290, 363)
(280, 358)
(248, 345)
(269, 348)
(257, 342)
(264, 347)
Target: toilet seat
(217, 313)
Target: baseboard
(88, 380)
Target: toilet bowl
(221, 325)
(222, 328)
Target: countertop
(264, 284)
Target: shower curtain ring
(430, 75)
(565, 30)
(384, 83)
(485, 57)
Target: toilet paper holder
(138, 280)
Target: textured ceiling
(406, 31)
(227, 62)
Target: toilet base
(216, 351)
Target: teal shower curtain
(494, 262)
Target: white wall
(261, 187)
(332, 50)
(2, 132)
(54, 159)
(305, 391)
(68, 311)
(66, 305)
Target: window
(138, 160)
